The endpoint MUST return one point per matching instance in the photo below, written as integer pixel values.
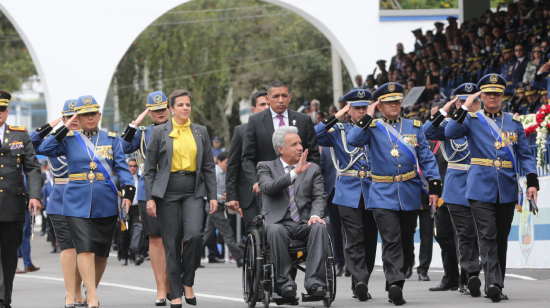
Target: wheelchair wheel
(251, 269)
(266, 299)
(330, 268)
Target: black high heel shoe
(175, 305)
(80, 304)
(191, 301)
(160, 302)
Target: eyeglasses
(132, 166)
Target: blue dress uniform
(89, 202)
(351, 193)
(395, 192)
(492, 183)
(507, 67)
(455, 210)
(58, 169)
(525, 107)
(136, 139)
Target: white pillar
(337, 85)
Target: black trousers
(11, 235)
(248, 216)
(468, 247)
(361, 237)
(126, 235)
(397, 233)
(446, 238)
(493, 223)
(336, 231)
(426, 230)
(181, 215)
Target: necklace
(93, 165)
(498, 144)
(394, 152)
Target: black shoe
(361, 291)
(464, 289)
(191, 301)
(443, 287)
(69, 306)
(240, 262)
(139, 260)
(316, 290)
(340, 271)
(148, 258)
(175, 305)
(132, 261)
(493, 292)
(395, 295)
(423, 277)
(42, 232)
(80, 304)
(160, 302)
(168, 297)
(409, 272)
(115, 247)
(347, 273)
(54, 249)
(474, 285)
(288, 292)
(216, 260)
(503, 297)
(124, 262)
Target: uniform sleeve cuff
(437, 118)
(435, 187)
(44, 130)
(533, 180)
(330, 122)
(460, 115)
(129, 133)
(128, 192)
(60, 134)
(365, 121)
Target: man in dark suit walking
(257, 138)
(293, 200)
(237, 185)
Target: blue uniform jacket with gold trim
(131, 147)
(90, 198)
(348, 190)
(487, 183)
(397, 195)
(454, 190)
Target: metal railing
(543, 170)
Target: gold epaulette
(71, 133)
(142, 128)
(417, 123)
(472, 114)
(517, 118)
(112, 134)
(373, 124)
(17, 128)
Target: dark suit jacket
(237, 185)
(328, 170)
(520, 71)
(308, 191)
(159, 162)
(258, 144)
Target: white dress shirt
(136, 184)
(276, 120)
(2, 129)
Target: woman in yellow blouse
(179, 173)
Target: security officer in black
(16, 156)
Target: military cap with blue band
(358, 97)
(69, 107)
(390, 91)
(465, 90)
(492, 83)
(86, 104)
(157, 100)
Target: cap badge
(361, 93)
(468, 88)
(391, 87)
(87, 101)
(493, 79)
(157, 99)
(72, 105)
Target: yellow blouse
(184, 155)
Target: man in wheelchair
(293, 201)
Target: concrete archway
(77, 45)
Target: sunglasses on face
(132, 166)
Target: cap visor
(88, 110)
(158, 107)
(493, 90)
(359, 104)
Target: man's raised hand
(302, 164)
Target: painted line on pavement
(123, 286)
(507, 275)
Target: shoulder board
(340, 125)
(71, 133)
(373, 124)
(417, 123)
(112, 134)
(17, 128)
(142, 128)
(472, 114)
(517, 118)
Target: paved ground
(220, 286)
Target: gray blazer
(309, 192)
(159, 161)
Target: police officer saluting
(398, 148)
(455, 211)
(352, 190)
(16, 156)
(496, 139)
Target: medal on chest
(394, 152)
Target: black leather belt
(190, 173)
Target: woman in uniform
(90, 204)
(136, 138)
(58, 168)
(179, 173)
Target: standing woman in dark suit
(179, 173)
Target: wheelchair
(258, 280)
